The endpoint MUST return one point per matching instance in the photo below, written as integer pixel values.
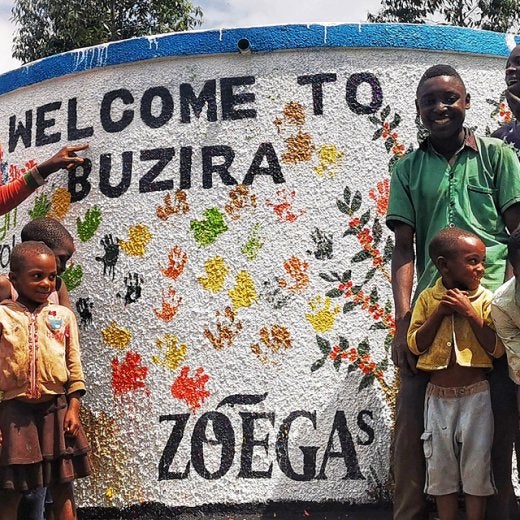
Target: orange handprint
(227, 329)
(177, 259)
(180, 205)
(239, 198)
(283, 206)
(297, 270)
(274, 340)
(169, 306)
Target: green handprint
(72, 277)
(209, 228)
(87, 227)
(42, 206)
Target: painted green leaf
(377, 134)
(364, 347)
(328, 277)
(385, 112)
(395, 122)
(369, 275)
(364, 218)
(346, 276)
(350, 231)
(377, 231)
(334, 293)
(375, 120)
(366, 382)
(356, 202)
(337, 363)
(323, 344)
(346, 195)
(349, 306)
(378, 326)
(374, 296)
(318, 364)
(343, 207)
(88, 227)
(360, 256)
(389, 247)
(351, 368)
(343, 343)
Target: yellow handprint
(244, 292)
(173, 353)
(139, 237)
(116, 337)
(216, 271)
(322, 320)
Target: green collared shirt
(429, 195)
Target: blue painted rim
(262, 39)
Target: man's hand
(65, 158)
(402, 357)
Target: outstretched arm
(15, 192)
(402, 281)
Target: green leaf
(337, 363)
(351, 368)
(383, 365)
(364, 347)
(334, 293)
(377, 134)
(364, 218)
(346, 276)
(361, 256)
(388, 144)
(377, 231)
(366, 382)
(318, 364)
(343, 207)
(343, 343)
(375, 120)
(346, 195)
(395, 122)
(349, 306)
(374, 296)
(356, 202)
(388, 342)
(388, 250)
(356, 288)
(369, 275)
(350, 231)
(328, 277)
(385, 112)
(323, 345)
(388, 307)
(379, 325)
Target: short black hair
(439, 70)
(513, 245)
(27, 249)
(48, 230)
(445, 242)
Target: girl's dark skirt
(35, 450)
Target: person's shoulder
(491, 141)
(505, 292)
(502, 131)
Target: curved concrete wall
(232, 275)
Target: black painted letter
(317, 81)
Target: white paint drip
(89, 58)
(153, 41)
(220, 35)
(510, 40)
(325, 34)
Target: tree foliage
(493, 15)
(46, 27)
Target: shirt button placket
(451, 197)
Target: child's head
(459, 256)
(513, 252)
(53, 234)
(442, 101)
(33, 272)
(513, 81)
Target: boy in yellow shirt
(451, 332)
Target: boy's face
(63, 254)
(465, 267)
(513, 71)
(35, 280)
(442, 102)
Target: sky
(232, 13)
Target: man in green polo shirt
(453, 179)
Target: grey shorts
(457, 439)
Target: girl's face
(36, 280)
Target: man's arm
(402, 282)
(509, 333)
